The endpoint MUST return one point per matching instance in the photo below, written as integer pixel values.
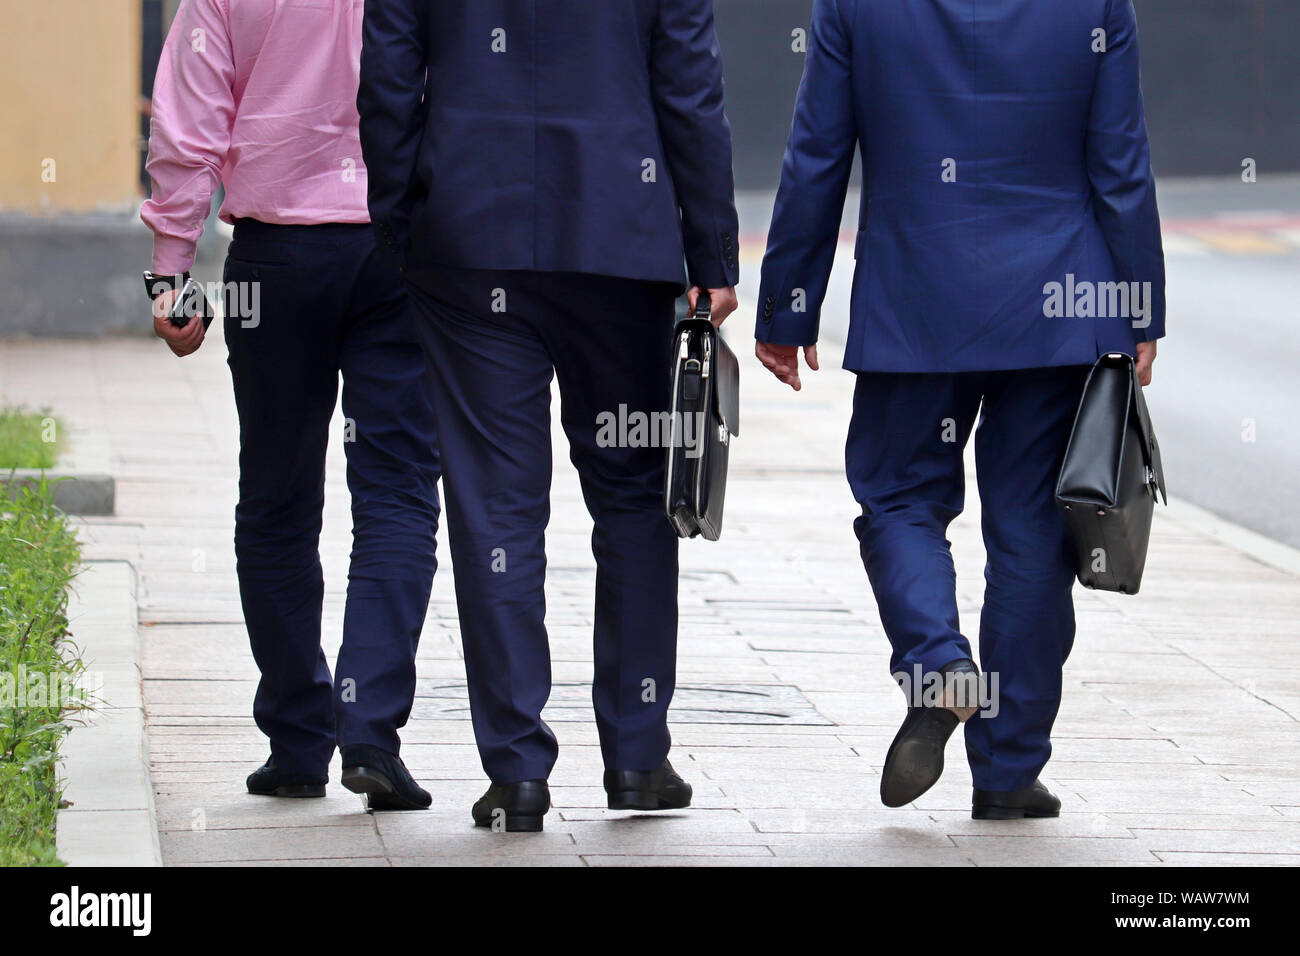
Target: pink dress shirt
(259, 95)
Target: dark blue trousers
(904, 464)
(329, 305)
(495, 341)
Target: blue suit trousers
(904, 460)
(495, 340)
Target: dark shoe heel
(998, 813)
(633, 800)
(301, 790)
(645, 790)
(515, 823)
(366, 780)
(1033, 803)
(522, 824)
(269, 781)
(530, 799)
(383, 778)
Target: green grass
(28, 439)
(39, 556)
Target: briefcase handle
(703, 307)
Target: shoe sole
(913, 768)
(293, 791)
(378, 789)
(914, 762)
(517, 823)
(644, 800)
(1011, 813)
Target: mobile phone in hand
(192, 302)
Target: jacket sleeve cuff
(712, 258)
(785, 330)
(1155, 328)
(714, 275)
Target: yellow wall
(69, 92)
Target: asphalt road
(1226, 393)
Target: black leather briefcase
(704, 415)
(1111, 478)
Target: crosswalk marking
(1244, 242)
(1177, 244)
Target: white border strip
(112, 820)
(1275, 554)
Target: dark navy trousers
(329, 306)
(904, 464)
(495, 341)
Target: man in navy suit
(1008, 235)
(550, 175)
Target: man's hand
(1146, 357)
(783, 361)
(722, 302)
(181, 341)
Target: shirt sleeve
(189, 136)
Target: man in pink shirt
(260, 96)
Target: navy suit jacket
(1004, 153)
(550, 135)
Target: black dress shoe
(268, 781)
(1033, 801)
(383, 778)
(513, 807)
(660, 789)
(914, 761)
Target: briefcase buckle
(1152, 483)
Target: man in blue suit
(550, 175)
(1008, 235)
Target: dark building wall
(1221, 80)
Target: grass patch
(28, 439)
(39, 556)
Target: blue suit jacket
(549, 135)
(1004, 157)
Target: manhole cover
(717, 704)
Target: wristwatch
(156, 285)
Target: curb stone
(112, 820)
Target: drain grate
(768, 704)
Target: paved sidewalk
(1177, 742)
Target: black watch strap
(156, 285)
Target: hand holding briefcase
(705, 413)
(1111, 478)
